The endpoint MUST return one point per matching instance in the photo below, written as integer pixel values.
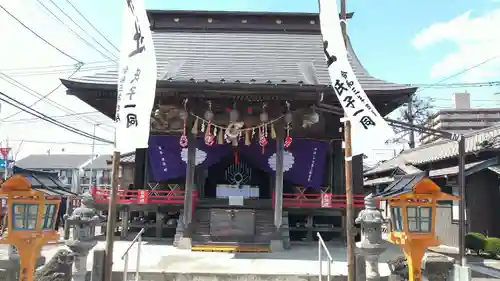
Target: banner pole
(111, 223)
(351, 270)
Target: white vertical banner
(136, 79)
(368, 128)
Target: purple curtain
(304, 160)
(168, 159)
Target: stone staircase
(264, 228)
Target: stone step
(162, 276)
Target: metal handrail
(322, 246)
(138, 239)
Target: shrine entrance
(236, 177)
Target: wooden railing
(323, 200)
(176, 197)
(143, 196)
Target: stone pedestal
(437, 267)
(82, 221)
(11, 266)
(371, 245)
(461, 273)
(81, 251)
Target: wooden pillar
(189, 186)
(278, 199)
(140, 178)
(159, 224)
(277, 241)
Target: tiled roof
(125, 158)
(438, 151)
(99, 163)
(128, 158)
(53, 161)
(243, 57)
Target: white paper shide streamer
(136, 79)
(369, 129)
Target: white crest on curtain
(200, 157)
(288, 161)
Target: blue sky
(382, 33)
(399, 41)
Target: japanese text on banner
(136, 79)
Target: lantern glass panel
(48, 216)
(397, 219)
(25, 216)
(419, 219)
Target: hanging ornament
(273, 132)
(235, 155)
(183, 141)
(234, 115)
(247, 137)
(220, 137)
(202, 126)
(209, 115)
(288, 120)
(264, 117)
(194, 130)
(233, 132)
(253, 133)
(209, 137)
(288, 141)
(263, 138)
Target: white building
(462, 119)
(75, 171)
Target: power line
(56, 142)
(61, 71)
(74, 32)
(55, 117)
(460, 72)
(13, 102)
(97, 30)
(81, 28)
(53, 67)
(45, 96)
(457, 85)
(38, 36)
(27, 120)
(34, 93)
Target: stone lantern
(83, 221)
(371, 245)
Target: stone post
(83, 221)
(371, 245)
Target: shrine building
(234, 130)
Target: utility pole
(462, 206)
(6, 160)
(92, 157)
(410, 118)
(351, 270)
(111, 223)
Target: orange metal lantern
(31, 217)
(412, 200)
